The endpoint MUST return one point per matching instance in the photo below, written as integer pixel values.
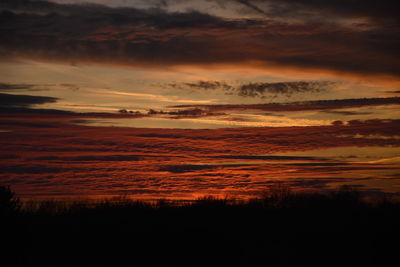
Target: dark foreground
(282, 229)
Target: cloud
(155, 38)
(84, 158)
(30, 169)
(27, 124)
(205, 85)
(269, 157)
(346, 113)
(302, 106)
(252, 6)
(325, 164)
(393, 92)
(6, 87)
(24, 101)
(9, 86)
(371, 9)
(385, 9)
(72, 159)
(8, 156)
(70, 86)
(259, 89)
(284, 88)
(186, 168)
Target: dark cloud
(27, 124)
(306, 105)
(70, 86)
(128, 36)
(259, 89)
(269, 157)
(385, 10)
(305, 9)
(319, 164)
(283, 88)
(92, 158)
(346, 113)
(23, 110)
(8, 100)
(186, 168)
(26, 87)
(393, 92)
(104, 16)
(208, 85)
(9, 86)
(8, 156)
(30, 169)
(252, 6)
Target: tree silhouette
(9, 203)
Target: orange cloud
(44, 155)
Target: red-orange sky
(180, 99)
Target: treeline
(281, 228)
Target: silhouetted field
(280, 229)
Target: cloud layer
(18, 101)
(303, 106)
(54, 152)
(260, 89)
(129, 36)
(45, 155)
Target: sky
(181, 99)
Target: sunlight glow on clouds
(178, 99)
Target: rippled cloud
(64, 159)
(260, 89)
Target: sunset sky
(186, 98)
